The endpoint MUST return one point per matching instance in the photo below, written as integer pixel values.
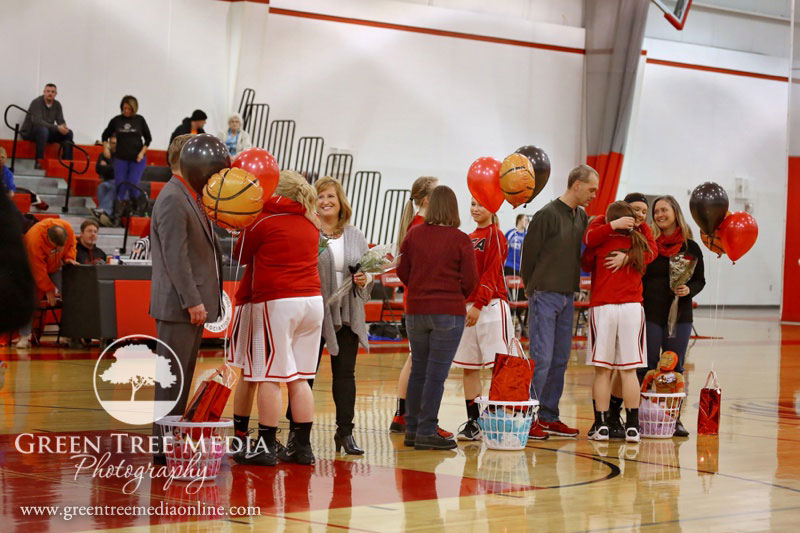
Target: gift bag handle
(516, 345)
(712, 377)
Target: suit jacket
(187, 265)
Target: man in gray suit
(186, 280)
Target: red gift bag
(511, 375)
(710, 399)
(210, 397)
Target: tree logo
(138, 379)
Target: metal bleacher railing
(16, 128)
(308, 158)
(377, 220)
(339, 166)
(70, 166)
(256, 124)
(280, 141)
(363, 192)
(248, 95)
(386, 231)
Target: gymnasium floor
(748, 478)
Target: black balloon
(201, 157)
(709, 205)
(541, 167)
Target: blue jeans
(550, 334)
(106, 193)
(433, 340)
(41, 135)
(658, 341)
(126, 177)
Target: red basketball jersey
(490, 254)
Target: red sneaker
(558, 428)
(443, 433)
(537, 433)
(398, 424)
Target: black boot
(348, 443)
(680, 431)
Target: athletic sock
(401, 407)
(615, 405)
(240, 425)
(632, 418)
(302, 433)
(473, 409)
(266, 434)
(600, 418)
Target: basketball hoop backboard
(675, 11)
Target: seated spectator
(9, 188)
(106, 191)
(192, 125)
(48, 244)
(45, 123)
(141, 248)
(236, 138)
(8, 178)
(133, 138)
(86, 253)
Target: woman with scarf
(673, 236)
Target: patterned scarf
(669, 245)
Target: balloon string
(715, 326)
(228, 332)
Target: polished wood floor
(747, 478)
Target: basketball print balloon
(233, 198)
(517, 180)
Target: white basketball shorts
(489, 336)
(616, 336)
(277, 340)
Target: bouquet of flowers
(376, 260)
(681, 268)
(322, 244)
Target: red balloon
(483, 181)
(260, 164)
(738, 232)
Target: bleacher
(375, 212)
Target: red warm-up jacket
(490, 253)
(624, 285)
(280, 251)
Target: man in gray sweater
(550, 270)
(45, 123)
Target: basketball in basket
(233, 198)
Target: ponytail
(405, 221)
(421, 189)
(638, 246)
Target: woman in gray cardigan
(344, 326)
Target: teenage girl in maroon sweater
(420, 194)
(437, 264)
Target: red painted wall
(790, 308)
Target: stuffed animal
(664, 378)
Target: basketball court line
(696, 519)
(678, 467)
